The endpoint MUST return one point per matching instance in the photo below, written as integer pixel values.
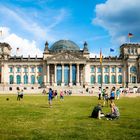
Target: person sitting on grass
(97, 112)
(114, 112)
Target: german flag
(130, 35)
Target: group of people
(104, 94)
(53, 94)
(98, 113)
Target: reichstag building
(64, 64)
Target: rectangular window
(113, 69)
(106, 69)
(18, 69)
(25, 69)
(92, 69)
(99, 69)
(39, 69)
(32, 69)
(119, 69)
(11, 69)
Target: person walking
(50, 96)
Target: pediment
(66, 57)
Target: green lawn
(66, 120)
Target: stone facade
(64, 64)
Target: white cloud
(26, 47)
(93, 55)
(119, 17)
(40, 30)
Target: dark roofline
(130, 44)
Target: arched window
(25, 79)
(18, 79)
(120, 79)
(113, 79)
(133, 69)
(11, 79)
(92, 79)
(99, 79)
(106, 78)
(32, 79)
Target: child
(61, 95)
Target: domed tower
(46, 49)
(64, 45)
(5, 51)
(85, 50)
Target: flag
(112, 50)
(130, 35)
(101, 57)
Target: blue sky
(105, 24)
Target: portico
(64, 74)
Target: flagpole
(129, 39)
(101, 76)
(101, 60)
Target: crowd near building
(64, 64)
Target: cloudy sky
(27, 24)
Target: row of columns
(55, 74)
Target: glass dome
(65, 45)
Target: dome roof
(64, 45)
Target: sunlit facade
(64, 64)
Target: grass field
(66, 120)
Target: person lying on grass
(97, 112)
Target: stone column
(36, 75)
(124, 75)
(55, 74)
(2, 74)
(96, 75)
(116, 70)
(110, 74)
(14, 69)
(62, 84)
(102, 74)
(70, 84)
(44, 73)
(29, 76)
(128, 76)
(21, 75)
(138, 73)
(48, 74)
(77, 75)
